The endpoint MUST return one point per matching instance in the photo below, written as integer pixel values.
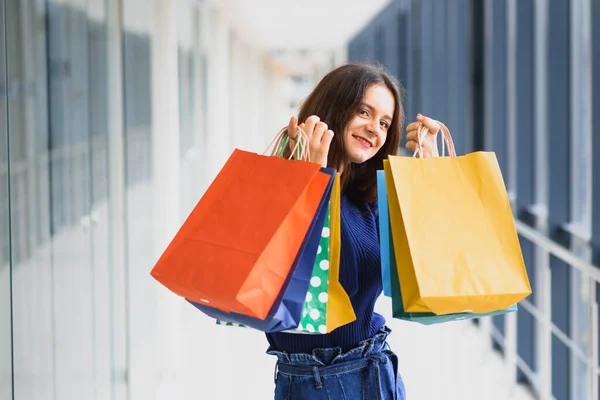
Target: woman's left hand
(430, 142)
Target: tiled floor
(449, 361)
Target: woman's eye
(384, 124)
(364, 112)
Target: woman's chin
(359, 157)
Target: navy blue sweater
(360, 275)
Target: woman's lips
(364, 142)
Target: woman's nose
(373, 127)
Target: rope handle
(446, 140)
(299, 152)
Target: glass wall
(69, 323)
(84, 121)
(32, 216)
(534, 94)
(6, 360)
(139, 210)
(57, 120)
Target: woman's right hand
(319, 137)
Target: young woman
(353, 119)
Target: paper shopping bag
(339, 307)
(288, 307)
(314, 310)
(327, 305)
(235, 250)
(385, 245)
(456, 246)
(425, 318)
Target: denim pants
(366, 372)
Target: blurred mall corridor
(116, 115)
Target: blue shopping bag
(385, 246)
(286, 311)
(390, 271)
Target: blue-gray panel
(526, 322)
(402, 47)
(6, 325)
(524, 107)
(70, 279)
(440, 63)
(526, 342)
(495, 14)
(138, 110)
(558, 113)
(379, 37)
(369, 48)
(388, 24)
(596, 140)
(561, 293)
(596, 130)
(459, 69)
(416, 48)
(428, 60)
(561, 364)
(559, 164)
(477, 14)
(498, 321)
(403, 21)
(598, 301)
(57, 70)
(527, 249)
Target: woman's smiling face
(367, 132)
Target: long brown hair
(336, 101)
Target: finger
(413, 126)
(414, 135)
(426, 145)
(430, 123)
(320, 129)
(411, 135)
(431, 146)
(293, 128)
(310, 124)
(412, 145)
(429, 141)
(326, 140)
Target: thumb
(431, 124)
(293, 128)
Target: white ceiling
(303, 24)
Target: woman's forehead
(381, 99)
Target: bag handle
(446, 140)
(280, 142)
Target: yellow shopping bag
(339, 307)
(455, 241)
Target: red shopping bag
(237, 246)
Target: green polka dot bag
(314, 311)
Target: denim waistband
(334, 355)
(332, 361)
